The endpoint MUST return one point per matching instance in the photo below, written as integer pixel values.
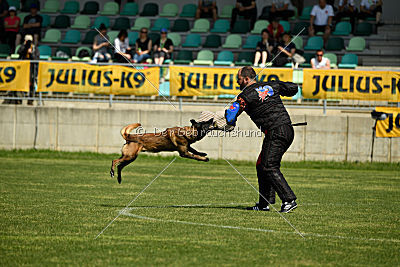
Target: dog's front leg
(184, 153)
(194, 151)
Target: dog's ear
(193, 122)
(210, 121)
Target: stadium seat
(184, 57)
(175, 38)
(81, 22)
(44, 52)
(233, 41)
(363, 29)
(192, 40)
(150, 10)
(342, 28)
(141, 23)
(112, 35)
(285, 24)
(169, 10)
(159, 24)
(259, 26)
(201, 25)
(220, 26)
(62, 22)
(15, 55)
(265, 13)
(101, 20)
(64, 49)
(89, 37)
(181, 25)
(188, 11)
(121, 23)
(130, 9)
(305, 15)
(90, 8)
(335, 44)
(110, 9)
(356, 44)
(84, 59)
(314, 43)
(251, 41)
(349, 61)
(22, 16)
(245, 59)
(241, 26)
(15, 3)
(70, 7)
(5, 50)
(51, 6)
(72, 37)
(298, 42)
(154, 36)
(226, 12)
(332, 58)
(27, 5)
(204, 57)
(224, 58)
(45, 20)
(212, 41)
(132, 36)
(52, 36)
(302, 27)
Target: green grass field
(54, 204)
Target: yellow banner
(86, 78)
(200, 81)
(351, 84)
(14, 76)
(391, 126)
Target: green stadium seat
(298, 42)
(342, 28)
(233, 41)
(308, 57)
(259, 26)
(204, 57)
(251, 41)
(52, 36)
(101, 20)
(226, 12)
(184, 57)
(188, 11)
(285, 24)
(363, 29)
(160, 23)
(84, 59)
(5, 50)
(51, 6)
(132, 36)
(121, 23)
(110, 9)
(224, 58)
(201, 25)
(299, 26)
(305, 15)
(241, 26)
(141, 23)
(81, 22)
(314, 43)
(15, 55)
(335, 44)
(245, 59)
(72, 37)
(45, 21)
(169, 10)
(112, 35)
(62, 22)
(265, 13)
(89, 37)
(44, 52)
(22, 16)
(150, 10)
(15, 3)
(175, 38)
(212, 41)
(64, 49)
(130, 9)
(192, 40)
(154, 36)
(332, 58)
(356, 44)
(181, 25)
(90, 8)
(70, 7)
(349, 61)
(220, 26)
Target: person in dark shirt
(101, 45)
(262, 102)
(263, 49)
(163, 48)
(286, 48)
(246, 8)
(32, 26)
(3, 14)
(206, 9)
(143, 46)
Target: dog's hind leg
(113, 164)
(130, 154)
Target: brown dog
(172, 139)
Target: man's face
(322, 3)
(243, 82)
(33, 11)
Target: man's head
(12, 11)
(246, 77)
(286, 37)
(319, 54)
(322, 3)
(34, 9)
(265, 34)
(143, 32)
(275, 23)
(103, 29)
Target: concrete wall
(338, 138)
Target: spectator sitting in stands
(371, 8)
(320, 62)
(263, 50)
(3, 13)
(123, 53)
(11, 25)
(101, 45)
(286, 49)
(347, 9)
(281, 9)
(321, 19)
(246, 8)
(143, 46)
(299, 4)
(32, 26)
(163, 48)
(206, 9)
(275, 30)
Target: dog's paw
(112, 173)
(206, 160)
(119, 180)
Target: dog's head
(202, 127)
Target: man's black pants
(270, 178)
(248, 14)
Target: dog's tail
(125, 132)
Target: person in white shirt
(281, 9)
(371, 8)
(123, 51)
(320, 62)
(347, 9)
(321, 19)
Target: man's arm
(286, 88)
(234, 111)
